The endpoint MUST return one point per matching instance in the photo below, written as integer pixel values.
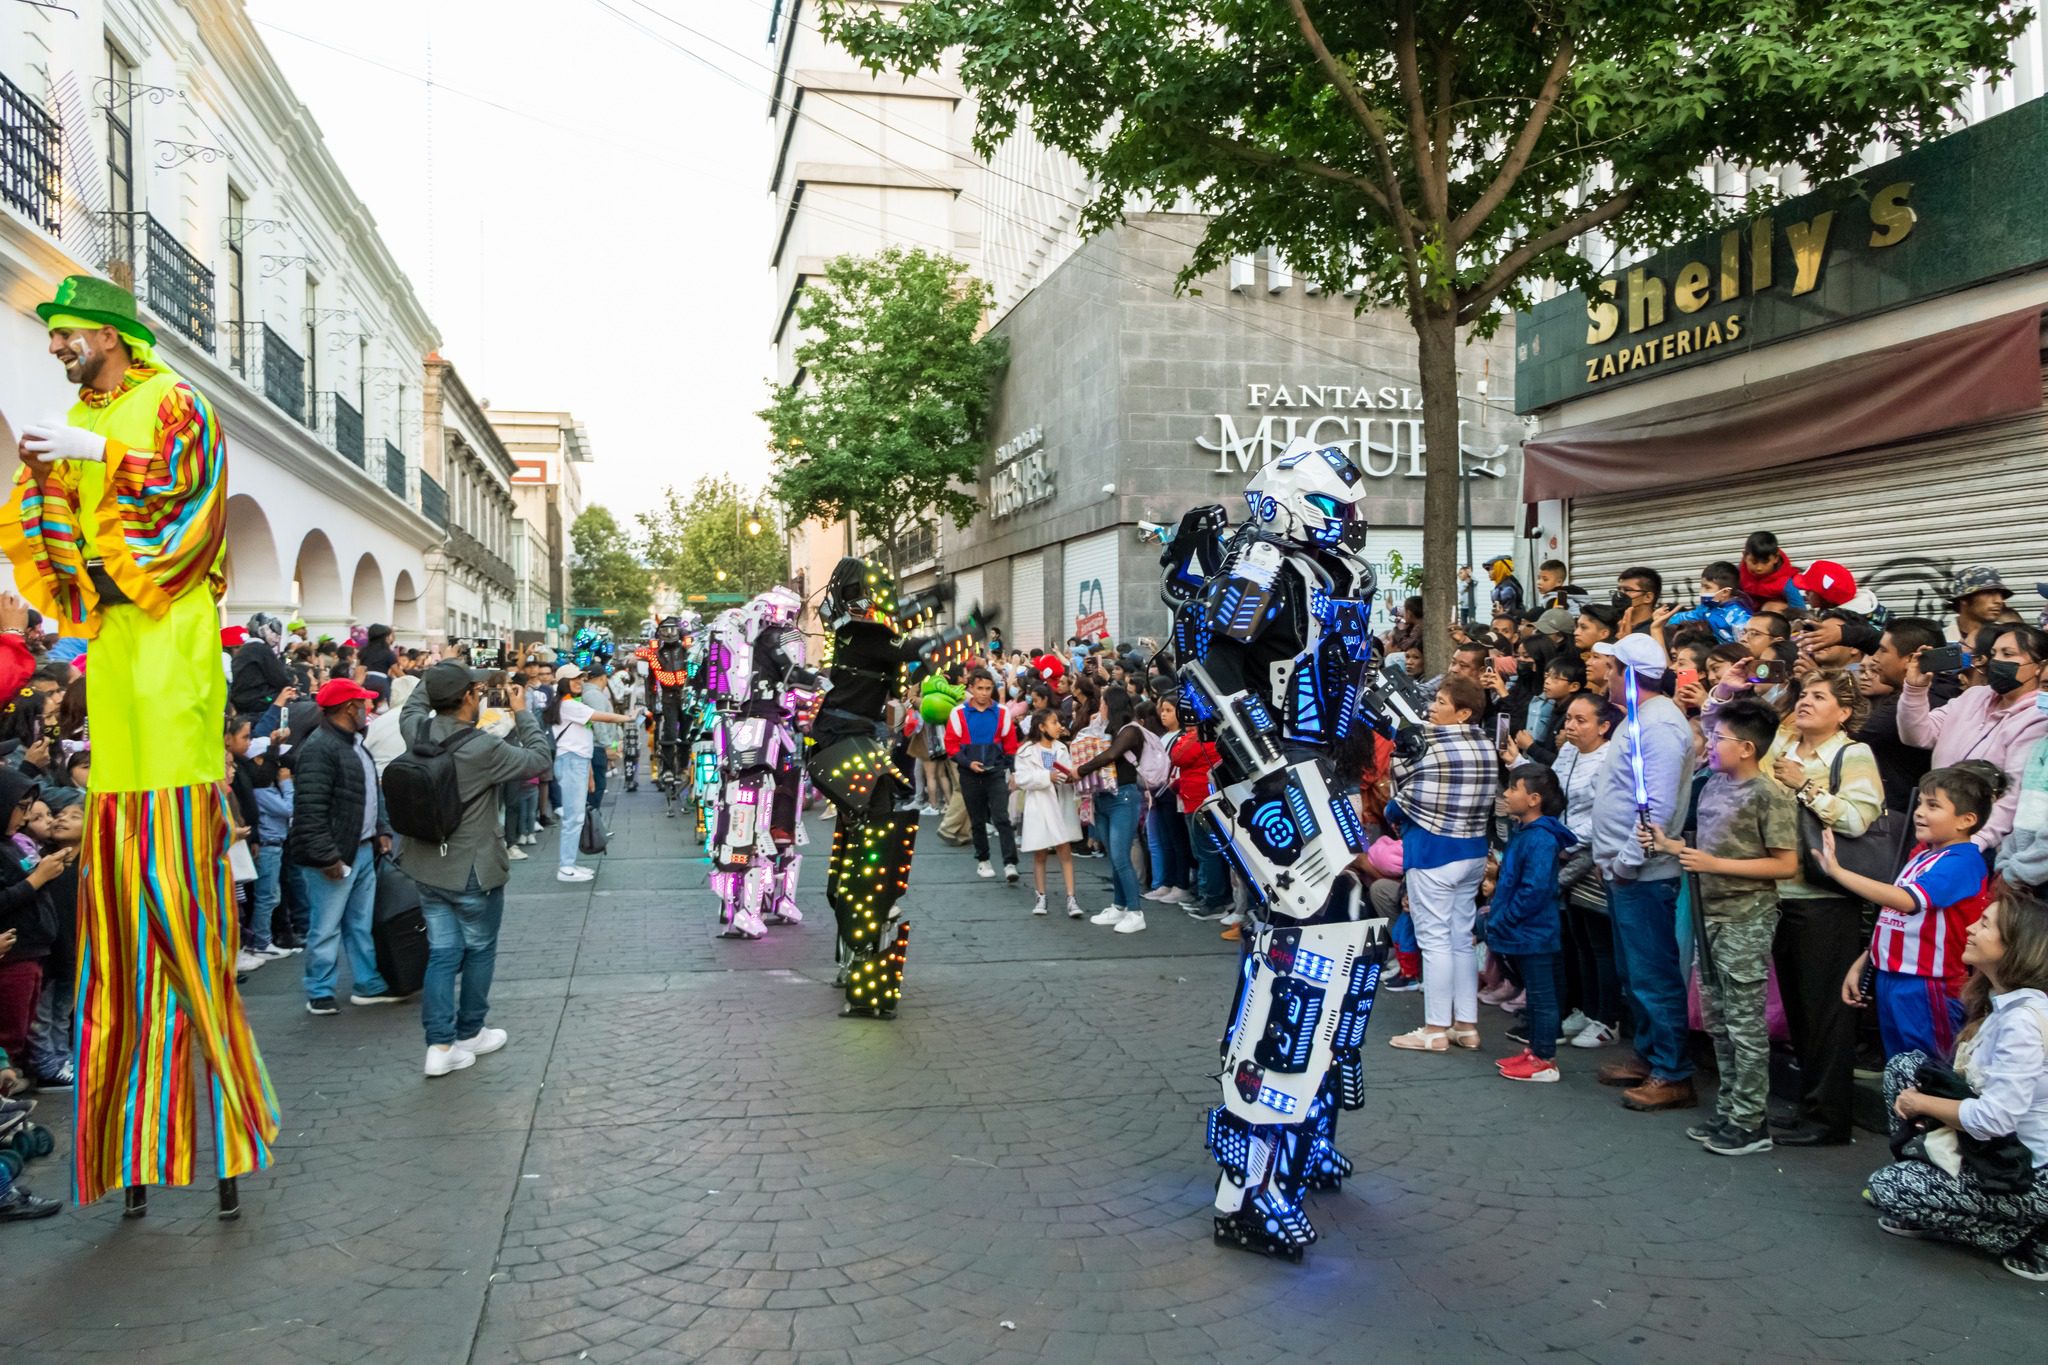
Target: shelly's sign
(1745, 264)
(1967, 208)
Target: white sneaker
(1594, 1035)
(1074, 910)
(1175, 896)
(984, 870)
(574, 874)
(1573, 1025)
(1157, 893)
(1039, 908)
(246, 961)
(486, 1040)
(1233, 918)
(443, 1059)
(1109, 915)
(934, 812)
(529, 838)
(1132, 923)
(273, 952)
(1010, 873)
(516, 853)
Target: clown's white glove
(46, 441)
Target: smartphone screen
(1500, 731)
(1687, 677)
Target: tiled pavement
(686, 1156)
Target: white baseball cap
(1639, 653)
(566, 672)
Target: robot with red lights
(872, 840)
(760, 681)
(1270, 626)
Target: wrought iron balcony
(394, 470)
(474, 555)
(433, 501)
(178, 288)
(31, 157)
(342, 426)
(262, 357)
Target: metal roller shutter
(967, 594)
(1024, 625)
(1902, 518)
(1384, 541)
(1091, 582)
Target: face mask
(2003, 675)
(2041, 703)
(1708, 599)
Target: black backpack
(420, 791)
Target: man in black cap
(462, 881)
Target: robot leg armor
(780, 906)
(869, 869)
(1258, 1194)
(741, 892)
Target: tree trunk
(1438, 366)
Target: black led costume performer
(674, 696)
(872, 840)
(1270, 625)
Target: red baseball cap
(340, 692)
(1826, 581)
(233, 637)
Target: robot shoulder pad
(1238, 601)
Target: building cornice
(473, 415)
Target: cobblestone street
(684, 1155)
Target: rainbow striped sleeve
(39, 532)
(163, 517)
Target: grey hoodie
(1667, 775)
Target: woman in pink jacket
(1997, 721)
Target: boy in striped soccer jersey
(1922, 916)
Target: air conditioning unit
(1278, 277)
(1241, 272)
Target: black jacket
(242, 786)
(25, 908)
(259, 675)
(327, 805)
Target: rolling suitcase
(398, 930)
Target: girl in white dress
(1044, 773)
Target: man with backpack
(336, 836)
(981, 741)
(442, 798)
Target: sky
(581, 207)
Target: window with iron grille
(238, 209)
(31, 157)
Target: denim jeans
(1116, 822)
(1212, 878)
(264, 895)
(462, 937)
(341, 921)
(1166, 837)
(50, 1045)
(1538, 975)
(1645, 915)
(572, 771)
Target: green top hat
(97, 300)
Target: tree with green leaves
(1443, 155)
(889, 422)
(719, 538)
(605, 572)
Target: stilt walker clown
(116, 527)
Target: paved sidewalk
(685, 1155)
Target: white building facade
(472, 590)
(157, 144)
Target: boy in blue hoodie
(1722, 605)
(1522, 923)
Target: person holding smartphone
(1996, 721)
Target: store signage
(1024, 475)
(1092, 626)
(1937, 219)
(1379, 428)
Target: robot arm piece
(1239, 601)
(1192, 554)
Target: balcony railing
(394, 470)
(262, 357)
(31, 157)
(433, 502)
(342, 426)
(177, 286)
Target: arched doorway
(367, 602)
(316, 580)
(255, 580)
(405, 606)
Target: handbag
(1877, 853)
(593, 838)
(240, 861)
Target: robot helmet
(859, 589)
(1311, 496)
(669, 629)
(776, 607)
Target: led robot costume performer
(673, 697)
(756, 673)
(872, 840)
(1271, 626)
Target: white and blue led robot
(1277, 665)
(765, 692)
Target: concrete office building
(1124, 405)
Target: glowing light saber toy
(1635, 747)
